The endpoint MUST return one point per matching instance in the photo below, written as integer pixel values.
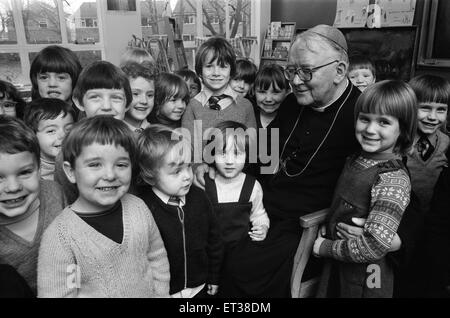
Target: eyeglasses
(304, 74)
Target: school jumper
(191, 237)
(375, 187)
(424, 174)
(233, 107)
(22, 254)
(137, 267)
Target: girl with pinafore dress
(374, 184)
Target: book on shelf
(275, 27)
(267, 48)
(281, 50)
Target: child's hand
(318, 241)
(258, 232)
(212, 289)
(346, 231)
(199, 174)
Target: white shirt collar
(165, 198)
(206, 93)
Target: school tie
(425, 148)
(175, 201)
(213, 101)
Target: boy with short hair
(183, 213)
(51, 119)
(215, 63)
(102, 89)
(106, 244)
(28, 204)
(361, 72)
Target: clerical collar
(322, 109)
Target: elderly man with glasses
(316, 132)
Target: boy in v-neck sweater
(106, 244)
(27, 206)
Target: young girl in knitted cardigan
(375, 185)
(106, 244)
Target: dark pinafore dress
(233, 217)
(352, 199)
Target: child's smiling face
(431, 116)
(102, 174)
(104, 101)
(19, 182)
(215, 76)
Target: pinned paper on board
(351, 13)
(380, 13)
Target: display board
(392, 49)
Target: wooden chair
(310, 224)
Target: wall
(118, 27)
(308, 13)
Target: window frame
(24, 49)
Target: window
(188, 37)
(7, 27)
(215, 20)
(89, 23)
(31, 25)
(189, 19)
(42, 24)
(433, 43)
(146, 21)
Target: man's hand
(318, 241)
(212, 289)
(199, 174)
(258, 232)
(345, 231)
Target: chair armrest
(313, 219)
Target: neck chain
(283, 163)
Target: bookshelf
(175, 48)
(278, 39)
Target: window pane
(7, 28)
(150, 13)
(11, 69)
(214, 19)
(81, 21)
(41, 21)
(85, 57)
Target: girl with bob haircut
(102, 74)
(271, 88)
(10, 101)
(58, 64)
(171, 98)
(375, 185)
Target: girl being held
(171, 98)
(374, 185)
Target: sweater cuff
(326, 248)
